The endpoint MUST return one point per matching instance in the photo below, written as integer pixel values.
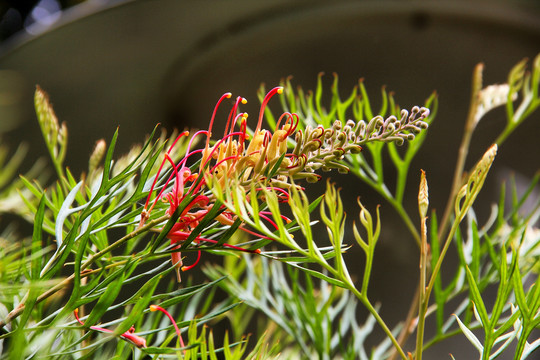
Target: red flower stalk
(209, 134)
(128, 335)
(159, 308)
(276, 90)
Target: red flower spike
(215, 169)
(173, 197)
(295, 120)
(188, 152)
(128, 335)
(159, 308)
(243, 131)
(285, 114)
(217, 149)
(145, 213)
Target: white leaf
(509, 336)
(529, 348)
(63, 213)
(472, 338)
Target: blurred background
(134, 64)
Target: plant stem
(367, 270)
(438, 265)
(380, 321)
(406, 331)
(423, 298)
(363, 299)
(19, 309)
(463, 148)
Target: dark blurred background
(136, 63)
(19, 14)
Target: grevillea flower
(128, 335)
(229, 156)
(256, 158)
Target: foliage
(96, 277)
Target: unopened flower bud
(423, 196)
(97, 155)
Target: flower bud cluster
(320, 148)
(391, 129)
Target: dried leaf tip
(490, 155)
(481, 169)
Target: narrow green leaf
(502, 291)
(519, 293)
(476, 252)
(439, 295)
(384, 105)
(318, 97)
(37, 239)
(77, 266)
(146, 292)
(141, 292)
(275, 168)
(183, 294)
(320, 275)
(107, 164)
(365, 99)
(477, 299)
(231, 229)
(62, 253)
(108, 297)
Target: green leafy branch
(247, 207)
(317, 320)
